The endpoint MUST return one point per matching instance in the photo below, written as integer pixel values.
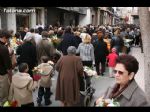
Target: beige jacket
(21, 88)
(45, 80)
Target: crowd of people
(70, 48)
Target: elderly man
(69, 68)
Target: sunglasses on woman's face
(118, 71)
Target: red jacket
(112, 59)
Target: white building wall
(33, 20)
(126, 11)
(105, 18)
(93, 19)
(43, 16)
(11, 20)
(85, 19)
(98, 17)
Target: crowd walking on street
(29, 58)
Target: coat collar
(130, 89)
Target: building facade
(13, 18)
(125, 14)
(16, 18)
(107, 16)
(135, 16)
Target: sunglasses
(118, 71)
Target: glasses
(118, 71)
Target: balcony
(81, 10)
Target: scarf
(116, 92)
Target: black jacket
(78, 40)
(68, 40)
(5, 61)
(100, 50)
(27, 52)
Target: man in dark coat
(5, 67)
(77, 38)
(27, 52)
(100, 52)
(70, 68)
(68, 40)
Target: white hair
(71, 50)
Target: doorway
(22, 21)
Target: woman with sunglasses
(126, 91)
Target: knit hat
(113, 50)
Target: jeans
(44, 91)
(97, 63)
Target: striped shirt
(86, 52)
